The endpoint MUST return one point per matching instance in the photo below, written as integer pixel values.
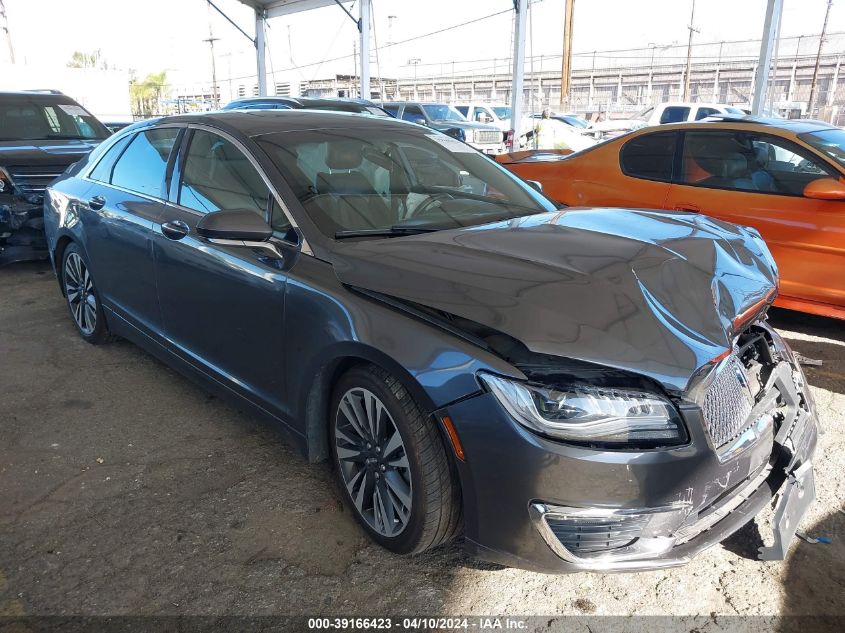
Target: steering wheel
(429, 202)
(806, 166)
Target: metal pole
(215, 100)
(771, 27)
(364, 30)
(566, 64)
(692, 30)
(260, 59)
(520, 15)
(818, 59)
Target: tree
(94, 59)
(146, 95)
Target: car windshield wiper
(393, 231)
(69, 137)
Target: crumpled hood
(645, 291)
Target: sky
(157, 35)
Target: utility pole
(215, 100)
(768, 48)
(692, 30)
(818, 59)
(6, 29)
(566, 64)
(354, 67)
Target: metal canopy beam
(771, 32)
(520, 20)
(266, 9)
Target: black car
(574, 389)
(356, 106)
(447, 119)
(41, 133)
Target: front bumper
(516, 485)
(21, 230)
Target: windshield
(502, 112)
(831, 143)
(33, 119)
(443, 112)
(575, 121)
(384, 178)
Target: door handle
(684, 206)
(175, 229)
(96, 203)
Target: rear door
(223, 306)
(757, 180)
(124, 204)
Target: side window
(745, 161)
(102, 171)
(649, 156)
(141, 167)
(462, 109)
(217, 175)
(674, 114)
(412, 113)
(703, 113)
(392, 109)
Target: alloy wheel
(373, 462)
(80, 293)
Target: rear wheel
(83, 300)
(391, 463)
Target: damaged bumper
(556, 508)
(21, 230)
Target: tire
(82, 298)
(434, 516)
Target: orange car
(785, 178)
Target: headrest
(761, 154)
(734, 165)
(344, 155)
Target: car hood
(644, 291)
(46, 152)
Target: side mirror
(419, 121)
(825, 189)
(536, 184)
(242, 225)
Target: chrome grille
(33, 180)
(728, 403)
(487, 136)
(589, 535)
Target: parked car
(677, 112)
(783, 177)
(579, 389)
(41, 133)
(445, 118)
(357, 106)
(570, 119)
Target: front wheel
(83, 300)
(391, 463)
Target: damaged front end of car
(21, 217)
(651, 411)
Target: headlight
(589, 414)
(469, 135)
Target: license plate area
(798, 493)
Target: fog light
(601, 537)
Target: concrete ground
(125, 489)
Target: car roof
(45, 94)
(795, 126)
(252, 123)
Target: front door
(757, 180)
(223, 306)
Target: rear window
(674, 114)
(703, 113)
(392, 109)
(649, 156)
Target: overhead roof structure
(266, 9)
